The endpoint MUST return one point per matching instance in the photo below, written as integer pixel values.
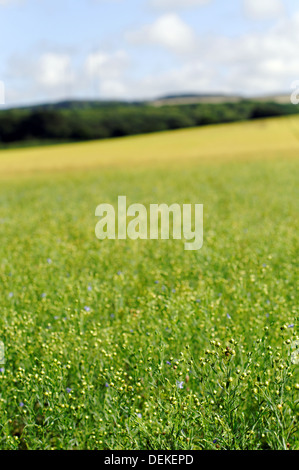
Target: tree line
(75, 121)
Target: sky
(53, 50)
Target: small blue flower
(89, 288)
(139, 415)
(169, 363)
(49, 261)
(68, 390)
(43, 295)
(87, 309)
(21, 404)
(179, 384)
(214, 441)
(291, 326)
(106, 385)
(10, 294)
(228, 316)
(2, 370)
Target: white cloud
(191, 77)
(112, 89)
(9, 2)
(106, 66)
(172, 4)
(263, 9)
(168, 31)
(40, 77)
(54, 69)
(107, 71)
(253, 63)
(260, 62)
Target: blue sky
(139, 49)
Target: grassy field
(139, 344)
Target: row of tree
(75, 122)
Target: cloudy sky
(139, 49)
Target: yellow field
(266, 138)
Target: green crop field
(122, 344)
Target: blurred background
(97, 68)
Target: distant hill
(167, 100)
(183, 99)
(174, 100)
(78, 104)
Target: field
(122, 344)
